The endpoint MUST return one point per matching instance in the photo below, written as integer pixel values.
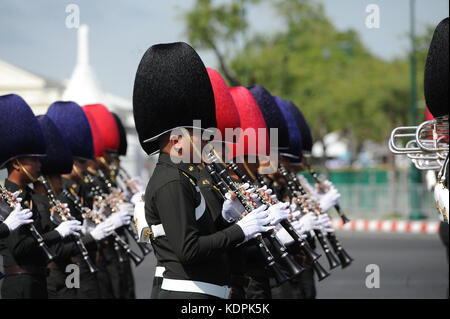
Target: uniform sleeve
(4, 230)
(22, 243)
(175, 205)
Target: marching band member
(14, 219)
(172, 85)
(23, 259)
(114, 267)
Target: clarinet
(343, 256)
(303, 245)
(305, 248)
(34, 232)
(97, 191)
(65, 216)
(269, 259)
(294, 268)
(88, 213)
(319, 182)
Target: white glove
(231, 209)
(278, 212)
(18, 217)
(269, 192)
(325, 221)
(88, 225)
(126, 208)
(442, 201)
(119, 219)
(300, 229)
(254, 195)
(137, 182)
(309, 222)
(102, 230)
(253, 223)
(311, 190)
(285, 238)
(329, 199)
(136, 198)
(70, 227)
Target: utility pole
(414, 174)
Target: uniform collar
(25, 192)
(188, 168)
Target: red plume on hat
(226, 112)
(250, 116)
(106, 125)
(99, 147)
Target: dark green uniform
(4, 230)
(65, 251)
(89, 288)
(24, 261)
(193, 247)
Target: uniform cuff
(89, 241)
(51, 237)
(4, 230)
(235, 234)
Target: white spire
(83, 45)
(83, 87)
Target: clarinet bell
(279, 275)
(344, 219)
(308, 251)
(341, 214)
(319, 270)
(344, 257)
(292, 267)
(332, 260)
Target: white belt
(196, 287)
(159, 271)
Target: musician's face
(81, 165)
(32, 165)
(186, 144)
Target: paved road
(411, 266)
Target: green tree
(217, 27)
(337, 83)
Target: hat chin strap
(77, 172)
(25, 171)
(112, 172)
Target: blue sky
(33, 34)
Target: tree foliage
(330, 75)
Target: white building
(83, 88)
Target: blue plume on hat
(271, 113)
(59, 157)
(307, 142)
(20, 132)
(73, 124)
(294, 141)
